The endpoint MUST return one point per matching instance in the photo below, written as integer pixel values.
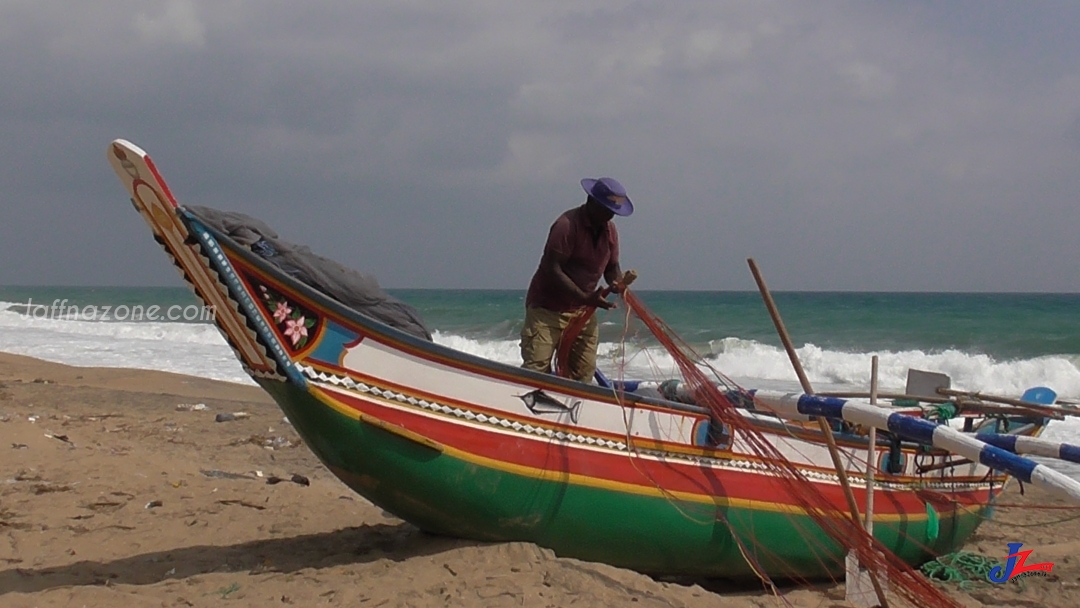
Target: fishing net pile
(357, 290)
(963, 568)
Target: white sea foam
(833, 370)
(757, 365)
(503, 351)
(197, 349)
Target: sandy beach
(118, 487)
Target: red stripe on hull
(622, 468)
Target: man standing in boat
(582, 246)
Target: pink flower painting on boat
(282, 312)
(295, 330)
(296, 324)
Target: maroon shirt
(572, 235)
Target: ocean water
(996, 343)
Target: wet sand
(118, 489)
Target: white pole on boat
(871, 450)
(826, 430)
(858, 588)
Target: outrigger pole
(921, 431)
(1019, 444)
(826, 430)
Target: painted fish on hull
(540, 402)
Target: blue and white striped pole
(1018, 444)
(921, 431)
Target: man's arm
(613, 274)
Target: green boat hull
(445, 494)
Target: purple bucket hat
(610, 194)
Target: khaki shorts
(540, 339)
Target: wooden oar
(826, 430)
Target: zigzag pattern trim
(261, 374)
(282, 358)
(360, 387)
(223, 288)
(217, 279)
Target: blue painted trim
(701, 434)
(816, 405)
(1000, 460)
(239, 293)
(1069, 452)
(332, 344)
(912, 428)
(1005, 442)
(601, 379)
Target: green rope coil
(963, 567)
(945, 411)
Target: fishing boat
(629, 474)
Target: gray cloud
(865, 146)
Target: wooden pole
(881, 395)
(983, 407)
(968, 402)
(1046, 410)
(826, 430)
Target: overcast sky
(877, 145)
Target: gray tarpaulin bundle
(357, 290)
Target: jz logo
(1016, 565)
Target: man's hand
(619, 285)
(596, 299)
